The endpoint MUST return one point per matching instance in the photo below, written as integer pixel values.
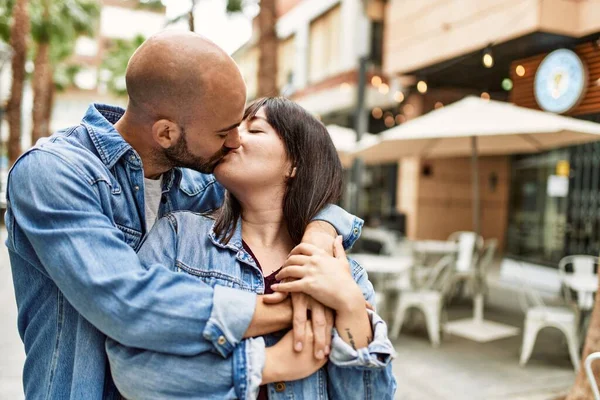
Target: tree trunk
(50, 101)
(582, 390)
(42, 75)
(267, 46)
(191, 22)
(18, 40)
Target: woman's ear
(166, 133)
(293, 173)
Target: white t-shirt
(152, 195)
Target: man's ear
(166, 133)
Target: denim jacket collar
(234, 244)
(99, 121)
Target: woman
(284, 172)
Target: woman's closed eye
(255, 131)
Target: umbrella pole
(476, 205)
(475, 185)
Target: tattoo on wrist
(351, 338)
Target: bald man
(81, 202)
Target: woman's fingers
(338, 248)
(298, 259)
(307, 250)
(293, 271)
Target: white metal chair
(539, 316)
(590, 374)
(470, 246)
(582, 265)
(429, 299)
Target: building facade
(444, 45)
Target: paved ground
(459, 369)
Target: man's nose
(233, 139)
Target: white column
(301, 56)
(355, 34)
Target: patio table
(382, 270)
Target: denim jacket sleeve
(367, 370)
(344, 223)
(60, 210)
(141, 374)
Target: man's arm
(58, 208)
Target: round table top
(435, 246)
(375, 263)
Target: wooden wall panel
(522, 93)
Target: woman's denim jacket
(187, 243)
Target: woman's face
(260, 161)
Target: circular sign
(560, 81)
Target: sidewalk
(461, 369)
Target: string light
(422, 87)
(408, 109)
(520, 70)
(388, 114)
(376, 81)
(384, 88)
(438, 105)
(345, 87)
(389, 121)
(507, 84)
(485, 96)
(377, 113)
(400, 119)
(488, 58)
(399, 97)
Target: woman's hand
(283, 363)
(327, 279)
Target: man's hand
(284, 364)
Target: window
(286, 54)
(325, 42)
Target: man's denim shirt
(75, 219)
(186, 243)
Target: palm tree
(19, 32)
(55, 28)
(115, 63)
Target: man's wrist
(320, 234)
(271, 371)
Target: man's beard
(180, 156)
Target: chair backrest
(488, 253)
(387, 239)
(528, 297)
(438, 277)
(590, 373)
(469, 244)
(581, 265)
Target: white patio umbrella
(344, 140)
(474, 127)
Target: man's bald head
(178, 75)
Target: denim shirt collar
(99, 121)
